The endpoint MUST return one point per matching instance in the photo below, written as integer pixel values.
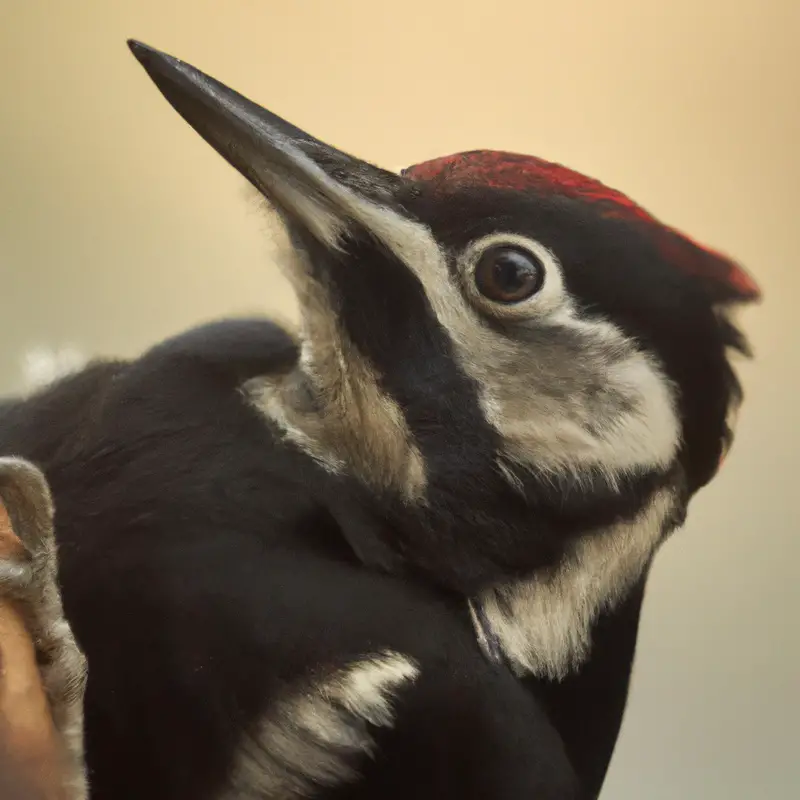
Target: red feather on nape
(725, 280)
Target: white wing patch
(315, 736)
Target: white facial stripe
(318, 216)
(267, 397)
(583, 397)
(573, 394)
(352, 424)
(544, 625)
(559, 407)
(314, 737)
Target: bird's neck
(345, 423)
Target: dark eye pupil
(508, 275)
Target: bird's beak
(313, 185)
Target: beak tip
(139, 49)
(154, 61)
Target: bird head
(522, 375)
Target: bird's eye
(508, 274)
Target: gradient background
(118, 226)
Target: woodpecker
(402, 550)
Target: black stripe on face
(384, 310)
(614, 271)
(474, 527)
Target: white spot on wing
(315, 737)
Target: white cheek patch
(556, 409)
(317, 736)
(613, 416)
(570, 397)
(543, 626)
(583, 397)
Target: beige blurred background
(118, 225)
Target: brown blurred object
(31, 766)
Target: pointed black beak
(182, 84)
(311, 183)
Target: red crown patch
(518, 172)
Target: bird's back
(205, 576)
